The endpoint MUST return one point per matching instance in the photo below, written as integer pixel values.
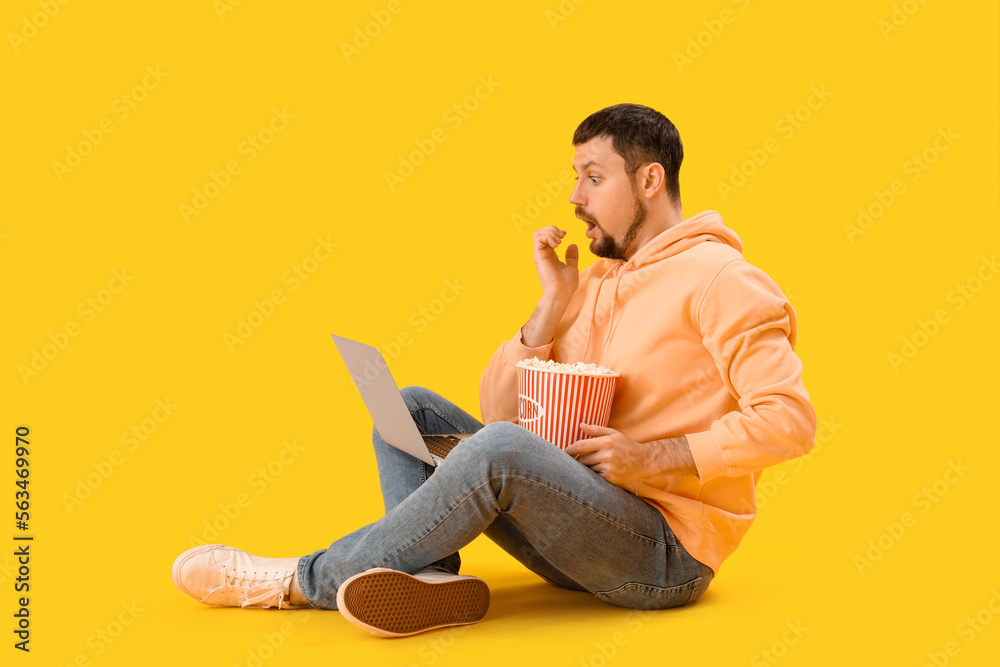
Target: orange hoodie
(704, 342)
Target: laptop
(386, 405)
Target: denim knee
(416, 395)
(503, 445)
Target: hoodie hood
(704, 227)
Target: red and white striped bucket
(551, 404)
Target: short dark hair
(640, 135)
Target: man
(641, 513)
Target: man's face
(606, 197)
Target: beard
(607, 247)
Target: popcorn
(578, 368)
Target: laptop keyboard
(440, 445)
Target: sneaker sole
(391, 603)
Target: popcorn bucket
(552, 403)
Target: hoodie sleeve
(498, 386)
(749, 327)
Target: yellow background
(891, 431)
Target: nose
(575, 197)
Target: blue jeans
(560, 519)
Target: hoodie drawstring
(611, 319)
(593, 314)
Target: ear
(651, 179)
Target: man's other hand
(611, 454)
(621, 460)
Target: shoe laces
(257, 588)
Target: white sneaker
(390, 603)
(225, 576)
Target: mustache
(580, 214)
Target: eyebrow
(592, 162)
